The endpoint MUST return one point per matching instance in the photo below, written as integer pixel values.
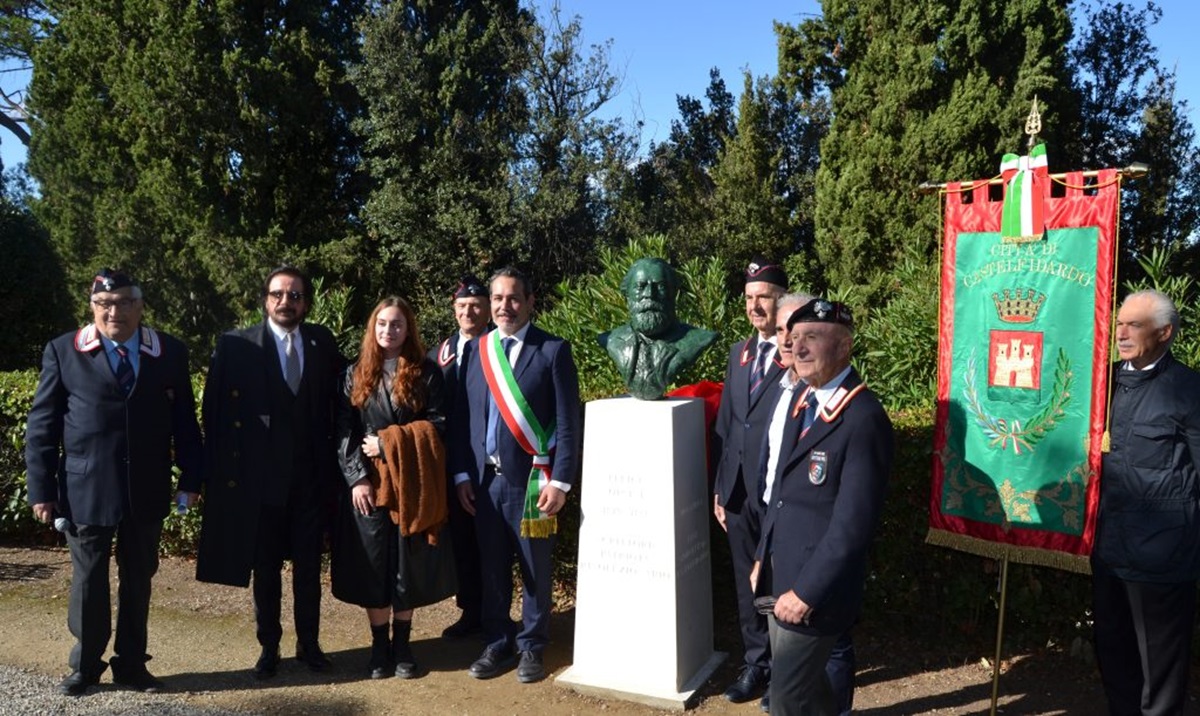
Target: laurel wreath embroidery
(1000, 431)
(1003, 504)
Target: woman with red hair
(373, 565)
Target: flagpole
(999, 632)
(1136, 170)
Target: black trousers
(800, 684)
(1143, 634)
(466, 558)
(743, 525)
(89, 614)
(295, 532)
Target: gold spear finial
(1033, 123)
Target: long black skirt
(373, 566)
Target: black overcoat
(252, 441)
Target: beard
(650, 318)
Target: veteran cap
(762, 270)
(820, 310)
(470, 287)
(110, 280)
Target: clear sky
(664, 48)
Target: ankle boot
(380, 664)
(406, 664)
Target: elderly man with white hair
(1147, 553)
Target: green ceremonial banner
(1022, 379)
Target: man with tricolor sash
(514, 449)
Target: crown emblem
(1018, 305)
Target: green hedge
(17, 524)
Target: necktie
(810, 413)
(125, 377)
(760, 367)
(292, 372)
(493, 410)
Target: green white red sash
(534, 439)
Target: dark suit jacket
(445, 355)
(546, 375)
(104, 456)
(741, 422)
(257, 452)
(825, 506)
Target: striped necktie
(760, 367)
(125, 377)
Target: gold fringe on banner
(999, 550)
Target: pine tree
(749, 214)
(930, 89)
(196, 146)
(569, 156)
(1129, 113)
(446, 109)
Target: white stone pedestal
(643, 614)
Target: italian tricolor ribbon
(1023, 217)
(525, 427)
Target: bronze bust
(654, 346)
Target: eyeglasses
(293, 295)
(121, 303)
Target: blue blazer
(103, 455)
(825, 506)
(742, 421)
(546, 375)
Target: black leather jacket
(378, 413)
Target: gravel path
(27, 693)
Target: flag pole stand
(999, 633)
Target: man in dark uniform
(515, 454)
(1147, 554)
(113, 410)
(268, 418)
(472, 312)
(827, 495)
(747, 399)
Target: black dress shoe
(312, 655)
(467, 625)
(77, 683)
(491, 663)
(530, 669)
(751, 682)
(268, 663)
(138, 678)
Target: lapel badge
(817, 467)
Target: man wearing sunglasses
(268, 407)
